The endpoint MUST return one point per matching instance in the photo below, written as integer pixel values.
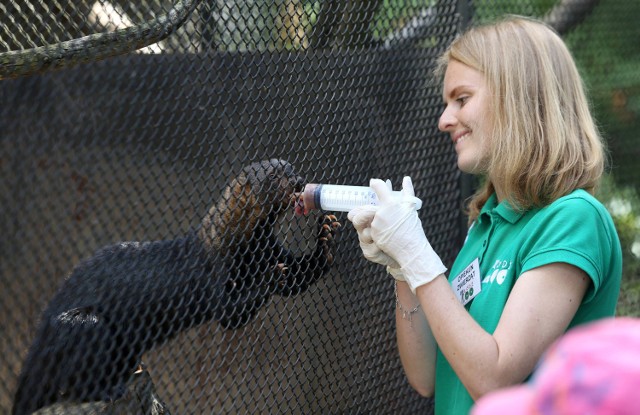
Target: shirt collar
(502, 209)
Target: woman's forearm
(539, 309)
(416, 344)
(471, 351)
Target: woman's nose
(447, 119)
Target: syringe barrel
(343, 198)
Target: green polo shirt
(575, 229)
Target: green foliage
(629, 302)
(623, 203)
(607, 52)
(394, 14)
(312, 9)
(488, 10)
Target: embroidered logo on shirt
(498, 272)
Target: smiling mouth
(460, 138)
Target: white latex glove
(397, 231)
(361, 218)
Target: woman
(542, 254)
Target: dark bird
(132, 296)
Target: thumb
(408, 194)
(362, 216)
(407, 188)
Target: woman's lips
(460, 137)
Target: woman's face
(466, 116)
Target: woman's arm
(416, 344)
(539, 309)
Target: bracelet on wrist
(406, 314)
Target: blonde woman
(542, 254)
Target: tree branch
(569, 13)
(94, 47)
(344, 24)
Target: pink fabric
(591, 370)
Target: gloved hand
(361, 218)
(397, 231)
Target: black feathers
(130, 297)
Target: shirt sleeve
(575, 231)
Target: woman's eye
(462, 100)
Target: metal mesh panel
(228, 314)
(139, 147)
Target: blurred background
(136, 145)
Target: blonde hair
(545, 143)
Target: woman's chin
(471, 165)
(466, 167)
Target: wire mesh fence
(136, 217)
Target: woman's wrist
(409, 308)
(396, 273)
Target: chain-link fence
(229, 302)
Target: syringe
(342, 198)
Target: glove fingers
(365, 236)
(362, 216)
(382, 190)
(389, 218)
(372, 252)
(397, 231)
